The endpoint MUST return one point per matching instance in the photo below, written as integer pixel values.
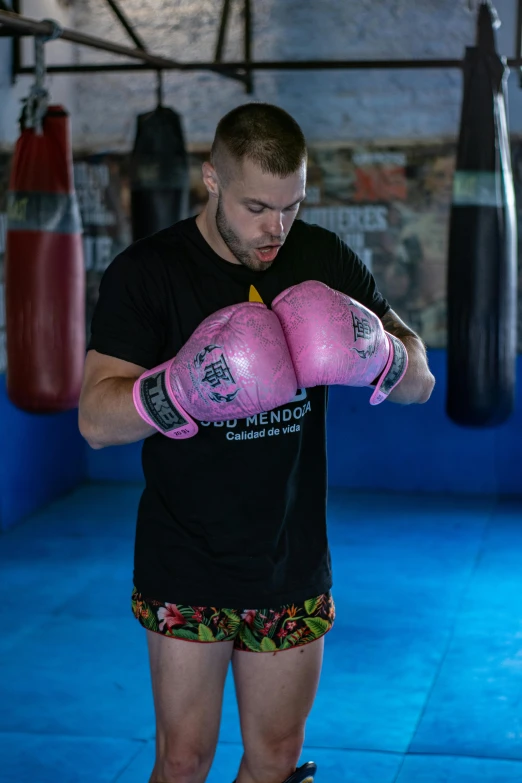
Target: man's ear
(210, 179)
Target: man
(231, 556)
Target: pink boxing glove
(235, 365)
(334, 340)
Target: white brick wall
(331, 106)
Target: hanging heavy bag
(159, 174)
(482, 263)
(44, 271)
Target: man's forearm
(108, 417)
(418, 382)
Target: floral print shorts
(253, 630)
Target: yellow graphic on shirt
(254, 296)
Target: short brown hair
(263, 133)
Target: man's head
(256, 180)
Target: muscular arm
(107, 415)
(418, 382)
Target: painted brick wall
(330, 105)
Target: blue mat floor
(422, 681)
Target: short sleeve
(128, 321)
(351, 276)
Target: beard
(244, 254)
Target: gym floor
(421, 682)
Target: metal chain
(159, 88)
(35, 105)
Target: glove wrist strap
(393, 372)
(156, 403)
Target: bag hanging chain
(35, 105)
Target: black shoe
(304, 774)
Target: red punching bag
(44, 271)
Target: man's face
(255, 213)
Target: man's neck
(206, 223)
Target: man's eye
(255, 210)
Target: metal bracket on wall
(246, 78)
(249, 80)
(129, 29)
(16, 50)
(518, 40)
(223, 24)
(15, 25)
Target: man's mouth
(267, 252)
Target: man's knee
(274, 759)
(181, 765)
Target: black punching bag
(482, 262)
(159, 174)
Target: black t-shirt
(236, 516)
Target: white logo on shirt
(285, 416)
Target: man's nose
(274, 224)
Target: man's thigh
(277, 664)
(187, 681)
(276, 691)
